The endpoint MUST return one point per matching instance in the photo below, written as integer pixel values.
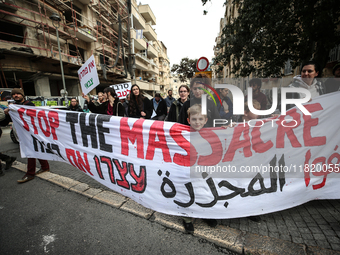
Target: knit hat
(336, 67)
(17, 91)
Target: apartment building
(151, 65)
(121, 39)
(29, 55)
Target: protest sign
(88, 76)
(254, 168)
(122, 89)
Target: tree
(267, 33)
(186, 69)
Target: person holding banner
(307, 80)
(159, 108)
(139, 106)
(19, 98)
(176, 106)
(74, 106)
(196, 121)
(111, 106)
(198, 85)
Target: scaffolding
(101, 29)
(113, 16)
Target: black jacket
(147, 108)
(77, 108)
(102, 108)
(174, 111)
(161, 108)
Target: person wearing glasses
(74, 106)
(197, 87)
(177, 105)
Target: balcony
(144, 85)
(149, 33)
(141, 62)
(85, 1)
(83, 33)
(152, 52)
(139, 44)
(147, 13)
(153, 69)
(138, 20)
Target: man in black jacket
(159, 108)
(19, 98)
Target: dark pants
(4, 157)
(31, 163)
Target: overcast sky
(184, 30)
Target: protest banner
(255, 168)
(88, 76)
(122, 89)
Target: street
(39, 217)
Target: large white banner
(88, 76)
(222, 173)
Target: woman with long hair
(139, 106)
(111, 106)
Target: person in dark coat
(19, 98)
(226, 109)
(197, 86)
(111, 106)
(159, 107)
(176, 106)
(74, 106)
(139, 105)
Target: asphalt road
(39, 217)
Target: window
(101, 59)
(11, 32)
(73, 51)
(69, 16)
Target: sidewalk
(312, 228)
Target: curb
(232, 239)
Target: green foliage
(269, 32)
(186, 69)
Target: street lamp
(56, 23)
